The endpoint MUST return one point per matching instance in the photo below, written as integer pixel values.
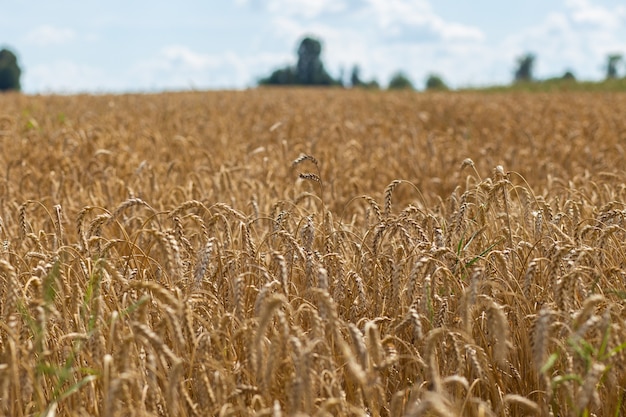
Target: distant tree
(355, 78)
(399, 81)
(356, 81)
(10, 71)
(309, 69)
(524, 70)
(569, 75)
(435, 82)
(611, 65)
(282, 76)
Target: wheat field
(287, 252)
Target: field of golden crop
(313, 252)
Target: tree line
(309, 71)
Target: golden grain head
(171, 255)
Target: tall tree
(309, 69)
(524, 70)
(611, 65)
(355, 78)
(435, 82)
(10, 71)
(399, 81)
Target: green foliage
(10, 71)
(563, 82)
(596, 360)
(399, 81)
(524, 71)
(568, 76)
(355, 80)
(65, 372)
(435, 82)
(611, 66)
(309, 69)
(282, 76)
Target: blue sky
(71, 46)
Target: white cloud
(381, 36)
(174, 67)
(455, 31)
(47, 35)
(405, 20)
(306, 9)
(579, 39)
(180, 67)
(389, 12)
(415, 21)
(178, 56)
(584, 13)
(292, 30)
(65, 77)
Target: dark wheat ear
(304, 157)
(310, 176)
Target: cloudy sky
(120, 45)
